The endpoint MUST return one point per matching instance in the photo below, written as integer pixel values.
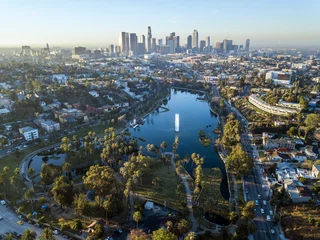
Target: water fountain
(176, 123)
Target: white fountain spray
(176, 124)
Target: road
(257, 185)
(9, 223)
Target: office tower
(141, 48)
(208, 41)
(124, 42)
(133, 43)
(189, 42)
(149, 39)
(247, 45)
(240, 47)
(164, 49)
(219, 47)
(153, 44)
(26, 50)
(118, 49)
(227, 45)
(143, 40)
(202, 45)
(170, 43)
(195, 39)
(160, 42)
(97, 54)
(172, 35)
(79, 50)
(111, 48)
(47, 48)
(235, 48)
(176, 41)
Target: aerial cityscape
(181, 121)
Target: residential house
(94, 94)
(273, 156)
(310, 154)
(299, 156)
(297, 191)
(315, 170)
(269, 143)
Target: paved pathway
(236, 195)
(195, 223)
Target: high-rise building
(195, 39)
(26, 50)
(189, 42)
(118, 49)
(143, 40)
(164, 49)
(247, 45)
(79, 50)
(133, 43)
(227, 45)
(149, 39)
(202, 45)
(124, 42)
(208, 42)
(111, 48)
(170, 43)
(141, 48)
(160, 42)
(153, 44)
(176, 40)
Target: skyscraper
(176, 40)
(195, 39)
(160, 42)
(124, 42)
(208, 42)
(78, 50)
(202, 45)
(189, 42)
(111, 47)
(133, 43)
(143, 40)
(247, 45)
(154, 45)
(149, 39)
(170, 43)
(227, 45)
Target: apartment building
(29, 133)
(269, 143)
(276, 110)
(50, 126)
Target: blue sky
(97, 23)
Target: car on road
(259, 196)
(264, 202)
(257, 202)
(20, 222)
(246, 186)
(271, 212)
(1, 218)
(56, 232)
(247, 191)
(273, 232)
(262, 210)
(268, 218)
(37, 225)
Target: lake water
(195, 115)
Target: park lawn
(166, 192)
(88, 160)
(212, 178)
(295, 222)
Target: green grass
(240, 192)
(212, 180)
(166, 192)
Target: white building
(50, 126)
(280, 78)
(94, 93)
(29, 133)
(276, 110)
(60, 78)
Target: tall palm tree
(29, 195)
(29, 235)
(47, 234)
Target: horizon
(93, 25)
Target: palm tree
(190, 236)
(29, 195)
(31, 173)
(29, 235)
(66, 167)
(47, 234)
(107, 206)
(137, 217)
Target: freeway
(9, 223)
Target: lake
(195, 115)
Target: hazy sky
(97, 23)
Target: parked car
(264, 202)
(259, 196)
(257, 202)
(3, 202)
(271, 212)
(20, 222)
(262, 210)
(37, 225)
(1, 218)
(268, 218)
(273, 232)
(56, 232)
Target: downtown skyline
(98, 24)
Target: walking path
(236, 196)
(195, 223)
